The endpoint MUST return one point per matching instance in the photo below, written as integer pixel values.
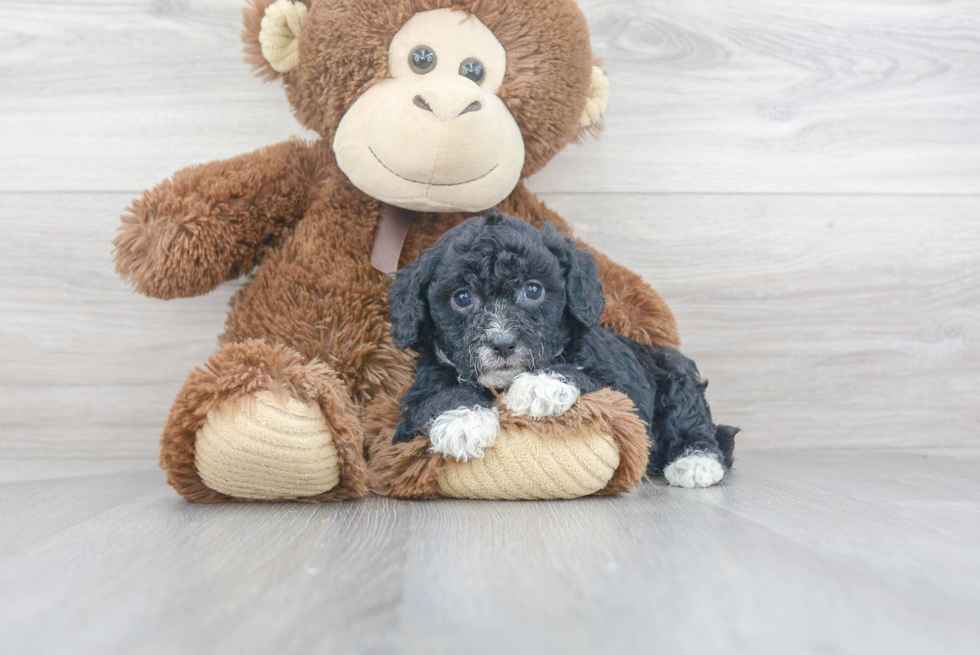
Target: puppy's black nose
(503, 345)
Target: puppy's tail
(725, 436)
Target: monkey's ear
(585, 299)
(271, 35)
(595, 105)
(408, 307)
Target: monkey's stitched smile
(408, 179)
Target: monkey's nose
(503, 345)
(446, 108)
(473, 106)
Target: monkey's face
(440, 110)
(435, 136)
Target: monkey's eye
(472, 69)
(533, 291)
(422, 60)
(462, 299)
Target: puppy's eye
(463, 299)
(533, 291)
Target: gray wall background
(801, 181)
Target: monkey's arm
(210, 223)
(633, 308)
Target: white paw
(539, 395)
(464, 433)
(694, 469)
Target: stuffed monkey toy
(427, 111)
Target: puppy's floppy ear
(408, 308)
(585, 298)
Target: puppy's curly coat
(499, 305)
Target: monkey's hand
(633, 308)
(211, 223)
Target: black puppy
(497, 303)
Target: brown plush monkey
(428, 111)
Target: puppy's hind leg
(725, 436)
(696, 468)
(690, 449)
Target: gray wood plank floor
(818, 551)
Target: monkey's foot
(264, 448)
(259, 422)
(599, 446)
(524, 464)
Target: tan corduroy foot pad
(266, 448)
(522, 465)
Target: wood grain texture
(795, 552)
(852, 96)
(843, 320)
(826, 304)
(835, 319)
(87, 363)
(799, 180)
(838, 320)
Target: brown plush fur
(410, 470)
(237, 370)
(251, 25)
(404, 470)
(312, 322)
(212, 223)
